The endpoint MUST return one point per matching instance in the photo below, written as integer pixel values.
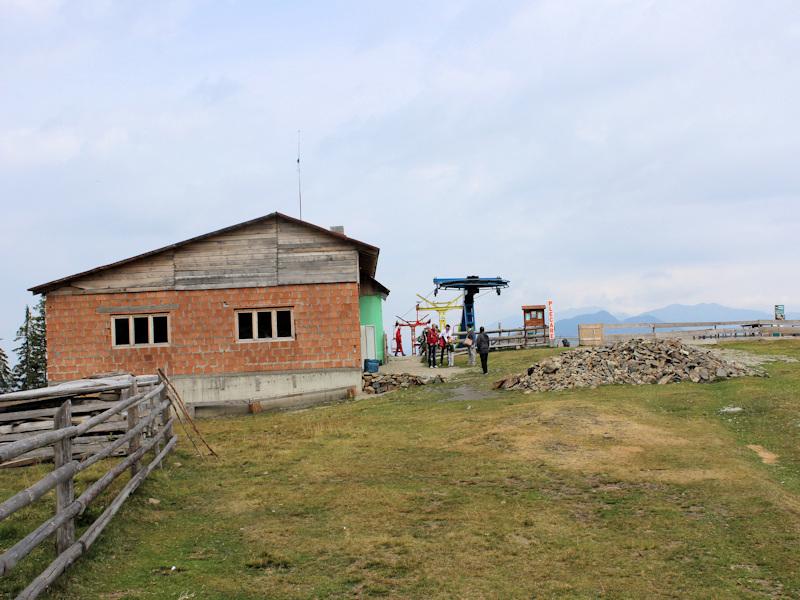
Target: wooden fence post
(157, 450)
(65, 491)
(153, 425)
(165, 415)
(133, 419)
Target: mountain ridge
(673, 313)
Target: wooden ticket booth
(533, 320)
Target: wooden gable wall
(244, 257)
(309, 256)
(264, 254)
(152, 273)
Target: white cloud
(27, 10)
(30, 147)
(110, 140)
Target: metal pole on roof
(299, 190)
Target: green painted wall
(371, 308)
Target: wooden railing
(149, 427)
(715, 330)
(500, 339)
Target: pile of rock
(638, 362)
(378, 383)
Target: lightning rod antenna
(299, 189)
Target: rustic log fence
(148, 426)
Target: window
(140, 330)
(264, 324)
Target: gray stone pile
(378, 383)
(638, 362)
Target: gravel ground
(413, 365)
(748, 359)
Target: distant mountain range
(567, 321)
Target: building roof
(374, 285)
(367, 254)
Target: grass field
(460, 491)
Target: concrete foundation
(241, 393)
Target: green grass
(461, 491)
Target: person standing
(470, 346)
(448, 345)
(398, 340)
(443, 344)
(433, 341)
(483, 349)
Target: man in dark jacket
(482, 344)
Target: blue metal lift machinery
(471, 286)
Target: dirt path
(413, 365)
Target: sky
(627, 154)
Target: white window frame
(273, 310)
(131, 333)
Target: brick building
(267, 312)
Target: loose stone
(642, 362)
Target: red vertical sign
(550, 319)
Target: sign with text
(780, 314)
(552, 325)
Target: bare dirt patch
(582, 438)
(749, 359)
(466, 393)
(768, 457)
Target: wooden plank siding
(244, 257)
(304, 256)
(153, 273)
(263, 254)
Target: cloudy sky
(627, 154)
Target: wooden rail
(148, 427)
(500, 339)
(713, 330)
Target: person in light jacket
(470, 346)
(446, 342)
(483, 349)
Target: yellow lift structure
(441, 308)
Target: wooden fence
(517, 338)
(599, 333)
(142, 408)
(500, 339)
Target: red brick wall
(203, 332)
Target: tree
(40, 342)
(6, 378)
(30, 372)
